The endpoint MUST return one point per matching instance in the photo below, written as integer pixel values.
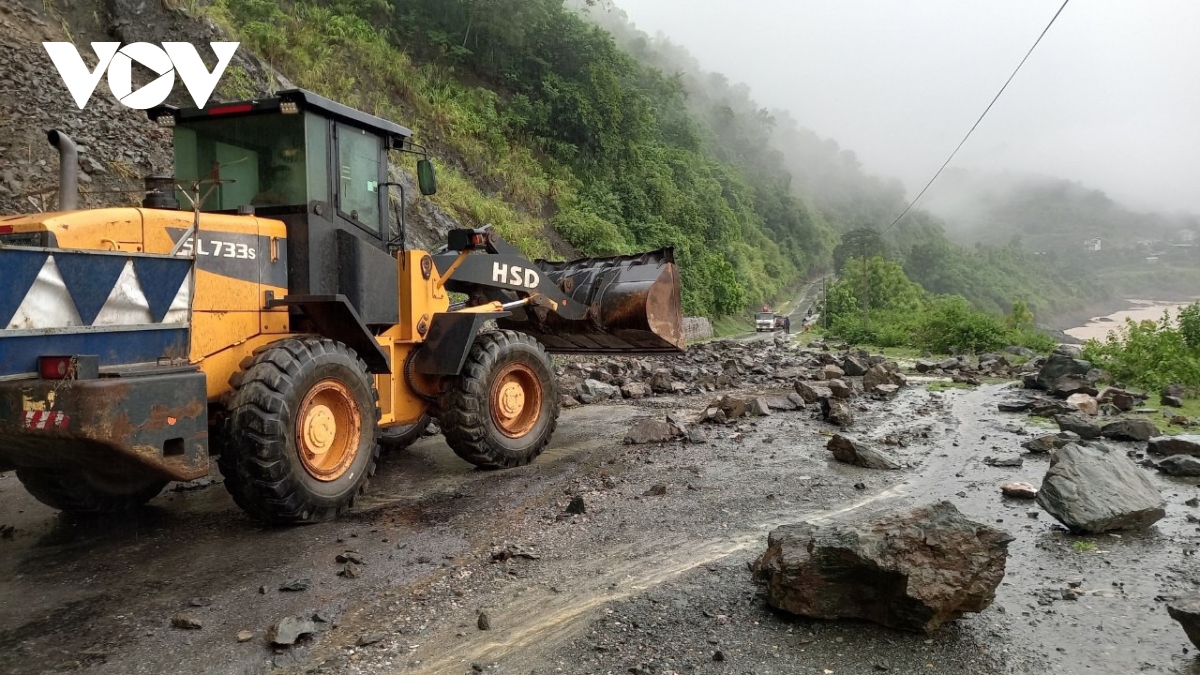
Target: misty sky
(1111, 97)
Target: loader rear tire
(68, 490)
(503, 408)
(302, 431)
(400, 437)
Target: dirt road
(650, 578)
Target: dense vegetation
(1153, 354)
(874, 302)
(572, 132)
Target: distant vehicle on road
(764, 321)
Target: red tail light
(229, 109)
(6, 229)
(55, 367)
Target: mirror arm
(400, 238)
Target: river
(1141, 310)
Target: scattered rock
(595, 391)
(811, 392)
(655, 491)
(287, 631)
(186, 622)
(350, 571)
(576, 507)
(1186, 611)
(349, 557)
(1076, 423)
(1123, 400)
(1016, 406)
(758, 407)
(296, 585)
(911, 570)
(878, 375)
(1070, 385)
(840, 389)
(368, 639)
(1130, 430)
(651, 431)
(1018, 490)
(245, 635)
(1044, 445)
(200, 602)
(1172, 396)
(1004, 460)
(697, 435)
(832, 372)
(1057, 366)
(1180, 465)
(1175, 445)
(848, 450)
(635, 390)
(887, 390)
(837, 411)
(853, 367)
(484, 622)
(1097, 488)
(1084, 403)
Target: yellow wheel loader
(260, 307)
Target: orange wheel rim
(328, 430)
(516, 400)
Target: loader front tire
(302, 431)
(75, 492)
(503, 408)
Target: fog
(1109, 98)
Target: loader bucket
(633, 305)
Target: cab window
(359, 168)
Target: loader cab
(316, 165)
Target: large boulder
(660, 381)
(1180, 465)
(851, 451)
(1050, 443)
(840, 389)
(1175, 445)
(1084, 403)
(1070, 385)
(1079, 424)
(1057, 366)
(812, 392)
(1186, 611)
(1172, 396)
(635, 390)
(595, 391)
(651, 431)
(1097, 488)
(832, 372)
(879, 375)
(1130, 430)
(853, 366)
(912, 570)
(837, 411)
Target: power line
(985, 112)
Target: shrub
(1152, 354)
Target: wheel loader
(262, 307)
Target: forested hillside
(574, 133)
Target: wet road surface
(442, 542)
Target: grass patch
(947, 385)
(732, 325)
(1084, 546)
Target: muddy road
(651, 579)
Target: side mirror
(426, 178)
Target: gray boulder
(1180, 465)
(1048, 444)
(837, 411)
(1175, 445)
(1057, 366)
(812, 392)
(595, 391)
(1068, 385)
(850, 451)
(911, 570)
(840, 389)
(651, 431)
(1097, 488)
(1172, 396)
(832, 372)
(1130, 430)
(879, 375)
(853, 367)
(1079, 424)
(287, 631)
(1186, 611)
(635, 390)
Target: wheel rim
(516, 400)
(328, 430)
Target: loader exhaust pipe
(68, 169)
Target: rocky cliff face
(118, 145)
